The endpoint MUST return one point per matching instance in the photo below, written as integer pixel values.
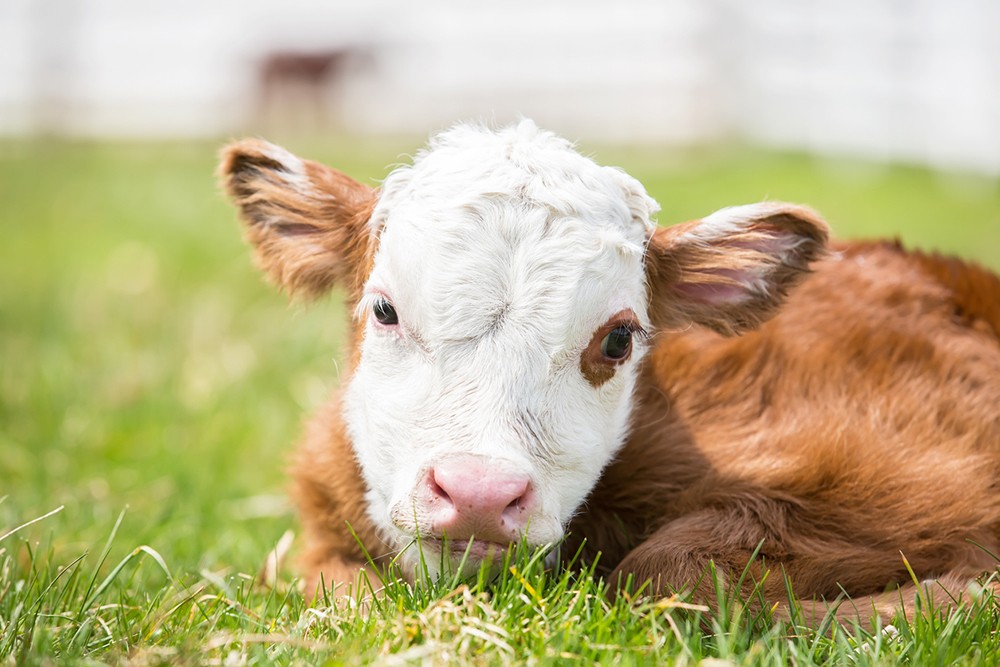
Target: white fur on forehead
(519, 270)
(469, 162)
(510, 226)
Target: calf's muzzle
(469, 496)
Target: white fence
(915, 80)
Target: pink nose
(471, 496)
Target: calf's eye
(385, 313)
(610, 346)
(618, 343)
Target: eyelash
(634, 328)
(366, 303)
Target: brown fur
(330, 494)
(290, 228)
(858, 426)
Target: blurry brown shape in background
(299, 90)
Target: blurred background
(907, 80)
(145, 364)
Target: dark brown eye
(385, 313)
(617, 344)
(610, 347)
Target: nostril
(437, 490)
(520, 505)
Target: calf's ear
(732, 270)
(306, 221)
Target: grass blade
(33, 521)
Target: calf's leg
(822, 569)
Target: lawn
(151, 387)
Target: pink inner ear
(711, 293)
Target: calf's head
(505, 290)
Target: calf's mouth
(474, 550)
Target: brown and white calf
(534, 358)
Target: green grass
(152, 386)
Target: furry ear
(732, 270)
(306, 221)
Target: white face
(506, 258)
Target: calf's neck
(532, 358)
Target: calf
(533, 358)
